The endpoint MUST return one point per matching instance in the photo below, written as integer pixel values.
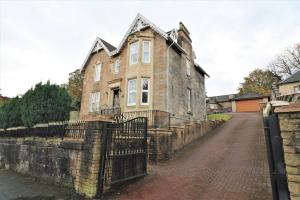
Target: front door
(116, 98)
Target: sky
(46, 40)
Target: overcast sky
(46, 40)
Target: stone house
(151, 73)
(290, 85)
(288, 89)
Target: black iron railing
(72, 129)
(112, 111)
(155, 118)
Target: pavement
(14, 186)
(227, 164)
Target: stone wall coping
(293, 107)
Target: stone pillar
(86, 181)
(289, 118)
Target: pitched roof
(250, 96)
(109, 46)
(139, 23)
(221, 98)
(198, 67)
(291, 79)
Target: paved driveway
(228, 164)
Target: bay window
(131, 92)
(146, 51)
(145, 91)
(134, 53)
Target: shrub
(45, 103)
(10, 113)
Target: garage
(249, 102)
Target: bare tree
(286, 63)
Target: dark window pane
(145, 97)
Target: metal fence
(275, 158)
(72, 129)
(124, 152)
(155, 118)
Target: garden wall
(289, 119)
(70, 163)
(162, 143)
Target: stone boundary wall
(289, 119)
(70, 163)
(163, 143)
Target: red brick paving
(228, 164)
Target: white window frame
(129, 92)
(131, 53)
(146, 91)
(98, 69)
(94, 102)
(117, 66)
(188, 67)
(148, 51)
(297, 89)
(189, 99)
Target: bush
(10, 113)
(45, 103)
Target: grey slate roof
(201, 69)
(291, 79)
(221, 98)
(109, 46)
(250, 96)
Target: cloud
(42, 40)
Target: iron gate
(275, 158)
(124, 152)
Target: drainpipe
(168, 65)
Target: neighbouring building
(221, 103)
(151, 73)
(249, 102)
(290, 85)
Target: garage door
(248, 105)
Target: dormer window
(98, 72)
(134, 53)
(146, 51)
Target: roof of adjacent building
(250, 95)
(221, 98)
(291, 79)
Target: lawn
(225, 117)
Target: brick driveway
(228, 164)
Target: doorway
(116, 98)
